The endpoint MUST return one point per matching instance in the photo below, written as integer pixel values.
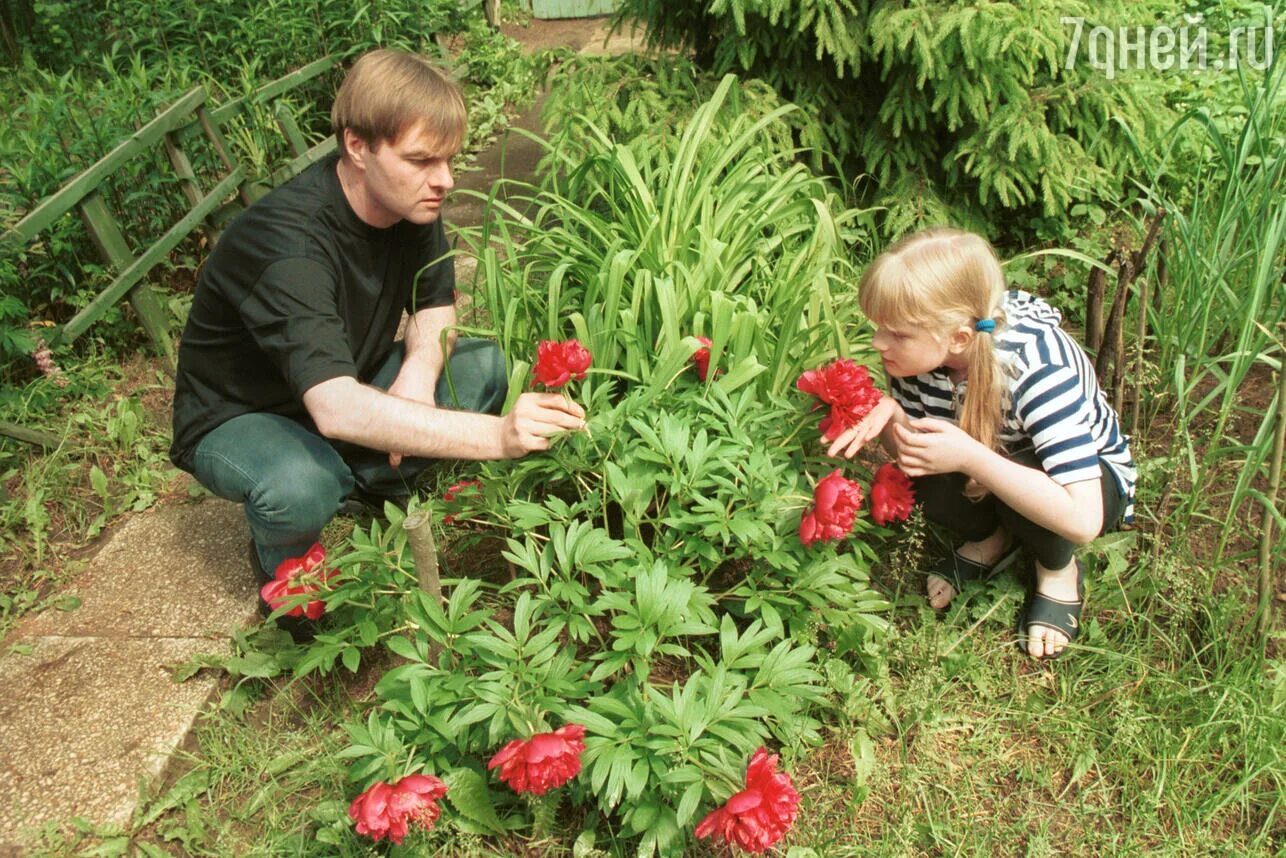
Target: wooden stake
(1106, 352)
(1118, 352)
(1094, 294)
(1140, 336)
(419, 532)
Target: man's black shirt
(298, 290)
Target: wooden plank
(188, 183)
(84, 184)
(135, 269)
(155, 321)
(271, 90)
(215, 137)
(105, 231)
(29, 436)
(290, 128)
(304, 161)
(111, 242)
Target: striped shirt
(1055, 403)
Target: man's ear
(357, 150)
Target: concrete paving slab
(179, 570)
(82, 719)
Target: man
(291, 392)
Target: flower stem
(544, 810)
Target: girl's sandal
(958, 571)
(1049, 613)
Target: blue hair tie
(985, 325)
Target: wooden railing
(172, 129)
(232, 187)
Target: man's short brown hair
(387, 92)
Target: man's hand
(932, 446)
(534, 418)
(855, 437)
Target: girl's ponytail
(986, 395)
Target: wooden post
(1118, 351)
(1095, 292)
(115, 249)
(1106, 352)
(1140, 334)
(188, 183)
(419, 532)
(1264, 613)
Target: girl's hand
(932, 446)
(855, 437)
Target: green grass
(1162, 734)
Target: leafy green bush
(659, 593)
(960, 112)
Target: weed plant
(113, 429)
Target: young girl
(998, 418)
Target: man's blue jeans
(293, 481)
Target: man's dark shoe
(362, 504)
(301, 629)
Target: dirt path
(87, 704)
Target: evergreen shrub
(960, 112)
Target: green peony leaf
(469, 795)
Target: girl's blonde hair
(388, 92)
(941, 279)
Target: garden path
(88, 709)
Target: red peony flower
(847, 388)
(701, 357)
(840, 418)
(559, 362)
(297, 576)
(543, 762)
(460, 488)
(385, 811)
(759, 815)
(836, 501)
(891, 495)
